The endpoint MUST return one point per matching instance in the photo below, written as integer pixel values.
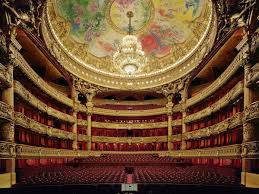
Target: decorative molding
(7, 131)
(224, 101)
(219, 152)
(7, 150)
(250, 149)
(249, 132)
(150, 112)
(31, 99)
(252, 112)
(37, 127)
(252, 76)
(38, 81)
(6, 77)
(221, 80)
(6, 111)
(174, 87)
(88, 89)
(110, 125)
(223, 126)
(129, 140)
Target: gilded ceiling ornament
(88, 89)
(86, 52)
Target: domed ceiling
(174, 34)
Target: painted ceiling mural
(170, 32)
(159, 24)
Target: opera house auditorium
(129, 96)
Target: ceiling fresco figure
(159, 24)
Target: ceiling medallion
(129, 57)
(117, 18)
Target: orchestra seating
(112, 168)
(126, 158)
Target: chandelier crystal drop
(129, 57)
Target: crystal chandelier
(129, 57)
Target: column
(74, 127)
(8, 98)
(250, 146)
(89, 129)
(7, 133)
(184, 95)
(170, 119)
(183, 145)
(169, 107)
(89, 106)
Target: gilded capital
(250, 149)
(248, 132)
(8, 131)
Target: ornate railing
(6, 111)
(224, 151)
(31, 99)
(100, 101)
(231, 95)
(221, 80)
(129, 125)
(223, 126)
(33, 125)
(111, 125)
(5, 76)
(150, 112)
(252, 111)
(129, 139)
(12, 150)
(38, 81)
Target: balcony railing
(31, 99)
(37, 127)
(224, 101)
(12, 150)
